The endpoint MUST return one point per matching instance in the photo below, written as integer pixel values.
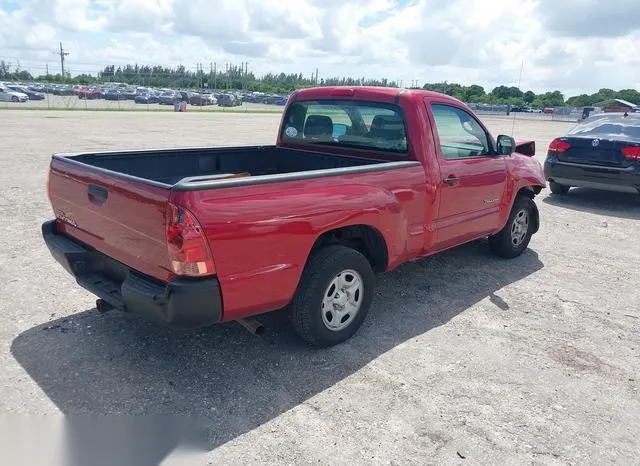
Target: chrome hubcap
(520, 228)
(342, 300)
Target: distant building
(617, 105)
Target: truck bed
(115, 202)
(170, 166)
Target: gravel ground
(464, 358)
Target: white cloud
(573, 45)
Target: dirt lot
(533, 360)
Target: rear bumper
(182, 303)
(592, 176)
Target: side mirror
(506, 145)
(339, 129)
(526, 148)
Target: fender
(523, 173)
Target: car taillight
(189, 251)
(631, 153)
(558, 146)
(49, 187)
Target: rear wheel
(514, 238)
(557, 188)
(334, 296)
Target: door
(473, 176)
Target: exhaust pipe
(102, 306)
(253, 326)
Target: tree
(504, 92)
(5, 70)
(630, 95)
(582, 100)
(473, 93)
(549, 99)
(529, 97)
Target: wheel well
(363, 238)
(530, 192)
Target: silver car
(7, 95)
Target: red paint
(558, 146)
(260, 236)
(631, 153)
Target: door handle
(451, 179)
(97, 194)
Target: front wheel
(14, 98)
(334, 296)
(514, 238)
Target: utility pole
(47, 65)
(62, 54)
(316, 76)
(246, 72)
(215, 76)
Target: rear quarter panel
(261, 235)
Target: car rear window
(611, 126)
(344, 123)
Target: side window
(460, 134)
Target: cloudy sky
(572, 45)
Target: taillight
(631, 153)
(49, 187)
(189, 251)
(558, 146)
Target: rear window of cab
(369, 126)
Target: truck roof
(374, 93)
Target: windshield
(345, 123)
(612, 126)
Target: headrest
(318, 125)
(387, 126)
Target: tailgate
(123, 218)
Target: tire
(14, 99)
(319, 277)
(509, 246)
(558, 188)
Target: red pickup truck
(359, 181)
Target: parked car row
(262, 98)
(140, 95)
(10, 92)
(525, 109)
(503, 108)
